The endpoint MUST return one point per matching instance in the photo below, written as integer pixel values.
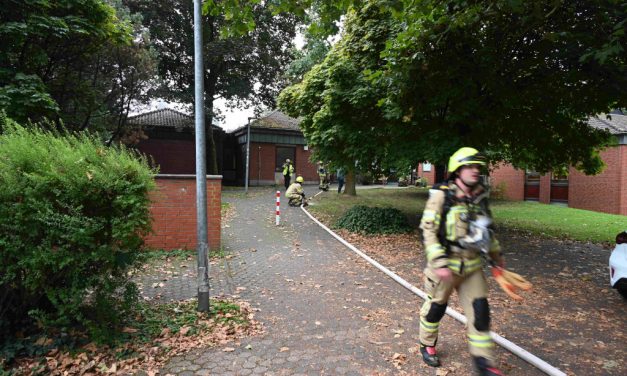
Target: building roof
(163, 118)
(275, 120)
(616, 124)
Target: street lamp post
(201, 168)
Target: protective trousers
(473, 291)
(324, 182)
(295, 199)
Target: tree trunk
(350, 184)
(212, 162)
(210, 80)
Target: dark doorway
(283, 153)
(559, 187)
(532, 186)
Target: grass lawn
(539, 219)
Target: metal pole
(247, 153)
(201, 170)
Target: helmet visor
(474, 159)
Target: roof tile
(616, 124)
(165, 117)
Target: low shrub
(499, 191)
(372, 220)
(73, 214)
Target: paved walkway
(325, 310)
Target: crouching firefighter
(295, 193)
(453, 265)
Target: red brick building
(274, 138)
(605, 192)
(169, 140)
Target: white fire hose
(510, 346)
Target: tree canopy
(337, 102)
(80, 63)
(243, 67)
(518, 79)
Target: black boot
(484, 368)
(430, 356)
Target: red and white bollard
(278, 207)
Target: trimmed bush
(73, 213)
(372, 220)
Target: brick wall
(173, 212)
(429, 175)
(263, 163)
(304, 167)
(511, 179)
(545, 189)
(172, 156)
(606, 192)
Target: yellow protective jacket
(322, 172)
(441, 231)
(294, 191)
(288, 169)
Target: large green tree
(337, 101)
(242, 66)
(516, 78)
(313, 52)
(76, 62)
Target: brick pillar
(173, 211)
(545, 189)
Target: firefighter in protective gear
(295, 193)
(288, 171)
(445, 221)
(324, 177)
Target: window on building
(532, 177)
(283, 153)
(560, 176)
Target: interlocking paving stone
(333, 311)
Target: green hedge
(73, 213)
(372, 220)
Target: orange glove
(510, 281)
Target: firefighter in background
(451, 264)
(295, 193)
(288, 171)
(324, 177)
